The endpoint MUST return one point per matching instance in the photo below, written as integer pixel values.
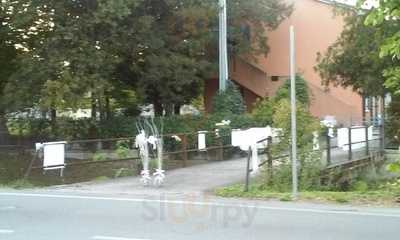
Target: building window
(275, 78)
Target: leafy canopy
(162, 50)
(354, 60)
(265, 109)
(229, 102)
(387, 14)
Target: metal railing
(177, 149)
(335, 155)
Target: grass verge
(18, 184)
(376, 197)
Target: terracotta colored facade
(316, 29)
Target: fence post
(366, 141)
(220, 150)
(382, 139)
(270, 163)
(328, 149)
(184, 150)
(350, 146)
(246, 187)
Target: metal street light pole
(293, 112)
(223, 46)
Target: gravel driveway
(195, 179)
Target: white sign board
(54, 155)
(358, 137)
(202, 141)
(246, 138)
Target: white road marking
(6, 231)
(7, 208)
(216, 204)
(115, 238)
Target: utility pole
(223, 46)
(293, 113)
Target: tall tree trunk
(177, 109)
(158, 108)
(53, 115)
(102, 109)
(94, 108)
(108, 108)
(169, 109)
(4, 134)
(364, 105)
(53, 122)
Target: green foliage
(360, 186)
(392, 128)
(98, 157)
(302, 93)
(70, 129)
(386, 15)
(263, 111)
(306, 124)
(123, 149)
(387, 195)
(310, 161)
(394, 167)
(101, 179)
(391, 186)
(21, 184)
(354, 59)
(69, 52)
(229, 102)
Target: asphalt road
(47, 215)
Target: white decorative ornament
(156, 142)
(223, 123)
(177, 138)
(146, 178)
(159, 177)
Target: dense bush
(302, 93)
(264, 109)
(229, 102)
(70, 129)
(392, 128)
(309, 160)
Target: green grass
(18, 184)
(376, 197)
(101, 179)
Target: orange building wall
(316, 29)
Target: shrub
(360, 186)
(302, 94)
(229, 102)
(263, 111)
(309, 160)
(392, 128)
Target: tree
(76, 55)
(182, 49)
(72, 51)
(387, 14)
(265, 109)
(354, 59)
(229, 102)
(307, 125)
(302, 91)
(7, 61)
